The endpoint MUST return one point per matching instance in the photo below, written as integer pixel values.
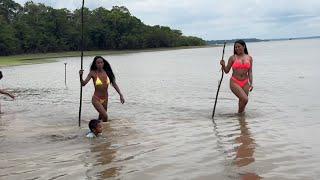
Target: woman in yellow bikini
(102, 76)
(241, 79)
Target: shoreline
(38, 58)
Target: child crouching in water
(95, 127)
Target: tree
(8, 9)
(37, 28)
(8, 42)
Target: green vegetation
(50, 57)
(36, 28)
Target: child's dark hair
(93, 124)
(1, 75)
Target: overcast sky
(218, 19)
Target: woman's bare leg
(241, 94)
(99, 107)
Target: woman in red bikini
(102, 75)
(241, 79)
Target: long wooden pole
(222, 72)
(80, 106)
(65, 74)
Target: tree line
(37, 28)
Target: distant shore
(254, 40)
(25, 59)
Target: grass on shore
(25, 59)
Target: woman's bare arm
(84, 82)
(116, 87)
(227, 68)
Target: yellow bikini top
(99, 82)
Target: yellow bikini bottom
(100, 100)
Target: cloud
(215, 19)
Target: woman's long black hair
(243, 44)
(106, 67)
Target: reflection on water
(238, 145)
(164, 131)
(105, 155)
(245, 150)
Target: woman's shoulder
(232, 57)
(249, 57)
(92, 73)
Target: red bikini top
(237, 64)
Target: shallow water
(164, 130)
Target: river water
(165, 130)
